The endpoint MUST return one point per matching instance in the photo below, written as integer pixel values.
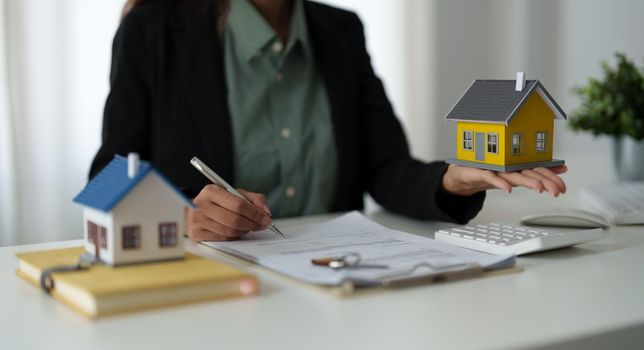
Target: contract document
(399, 254)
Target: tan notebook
(104, 290)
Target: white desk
(587, 297)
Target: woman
(279, 97)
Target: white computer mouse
(565, 217)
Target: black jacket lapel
(200, 54)
(333, 59)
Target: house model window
(492, 143)
(168, 233)
(516, 143)
(93, 232)
(467, 141)
(102, 231)
(541, 141)
(131, 237)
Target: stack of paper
(404, 254)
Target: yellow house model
(505, 125)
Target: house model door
(479, 148)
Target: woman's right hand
(221, 216)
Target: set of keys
(346, 261)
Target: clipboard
(349, 288)
(334, 255)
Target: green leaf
(614, 104)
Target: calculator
(502, 239)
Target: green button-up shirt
(281, 120)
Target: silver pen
(217, 180)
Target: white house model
(132, 213)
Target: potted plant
(614, 106)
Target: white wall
(384, 22)
(591, 30)
(58, 53)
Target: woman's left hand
(466, 181)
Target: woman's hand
(222, 216)
(466, 181)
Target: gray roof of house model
(497, 101)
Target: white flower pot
(628, 158)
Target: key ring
(346, 260)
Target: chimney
(132, 164)
(520, 81)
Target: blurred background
(55, 57)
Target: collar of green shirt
(253, 33)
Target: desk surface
(589, 296)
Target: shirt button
(279, 76)
(290, 192)
(286, 133)
(277, 47)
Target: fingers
(258, 199)
(552, 176)
(220, 215)
(548, 184)
(203, 228)
(518, 179)
(231, 220)
(496, 181)
(557, 170)
(467, 181)
(229, 201)
(538, 179)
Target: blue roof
(112, 184)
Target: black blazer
(168, 103)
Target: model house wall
(479, 132)
(151, 203)
(534, 117)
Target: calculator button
(462, 231)
(502, 238)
